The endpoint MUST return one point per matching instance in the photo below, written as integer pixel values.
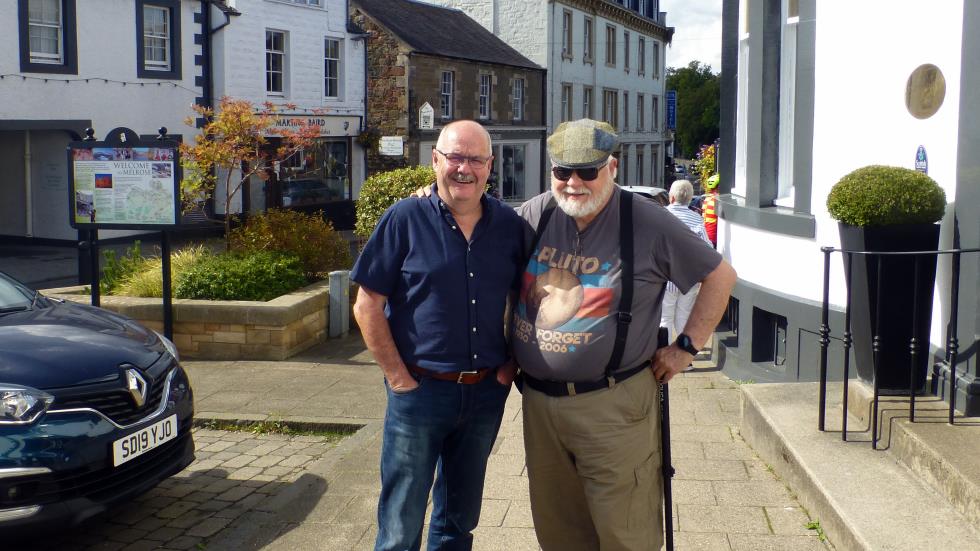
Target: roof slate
(440, 31)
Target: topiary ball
(879, 195)
(384, 189)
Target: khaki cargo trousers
(593, 462)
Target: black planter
(897, 301)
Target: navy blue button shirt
(446, 297)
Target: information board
(124, 184)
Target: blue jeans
(440, 429)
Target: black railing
(915, 342)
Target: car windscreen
(13, 295)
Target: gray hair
(682, 192)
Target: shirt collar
(441, 207)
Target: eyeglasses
(564, 174)
(456, 159)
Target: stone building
(428, 59)
(605, 60)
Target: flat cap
(582, 143)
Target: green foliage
(148, 280)
(706, 162)
(382, 190)
(886, 195)
(698, 111)
(116, 270)
(261, 275)
(309, 237)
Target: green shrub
(116, 270)
(261, 275)
(886, 195)
(148, 281)
(384, 189)
(308, 237)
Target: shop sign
(330, 125)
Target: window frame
(68, 41)
(626, 112)
(641, 112)
(566, 102)
(518, 96)
(485, 104)
(655, 111)
(339, 60)
(626, 51)
(641, 56)
(284, 54)
(588, 102)
(655, 69)
(142, 69)
(588, 35)
(610, 45)
(610, 113)
(447, 95)
(640, 159)
(568, 26)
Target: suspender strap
(623, 316)
(549, 209)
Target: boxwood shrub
(260, 275)
(879, 195)
(383, 189)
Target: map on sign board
(124, 186)
(427, 117)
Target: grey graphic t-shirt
(564, 324)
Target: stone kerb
(229, 330)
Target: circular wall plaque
(925, 91)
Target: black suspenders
(623, 315)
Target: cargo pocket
(644, 512)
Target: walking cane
(667, 468)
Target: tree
(231, 146)
(698, 99)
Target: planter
(897, 296)
(232, 329)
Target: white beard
(577, 209)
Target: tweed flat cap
(582, 143)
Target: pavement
(282, 492)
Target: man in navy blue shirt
(434, 278)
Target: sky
(697, 32)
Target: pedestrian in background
(677, 305)
(708, 209)
(434, 279)
(590, 396)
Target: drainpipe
(29, 219)
(545, 182)
(364, 118)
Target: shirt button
(474, 329)
(454, 227)
(471, 274)
(474, 356)
(473, 301)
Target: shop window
(512, 174)
(316, 175)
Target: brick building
(422, 54)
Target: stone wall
(230, 330)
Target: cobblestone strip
(233, 473)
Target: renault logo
(136, 385)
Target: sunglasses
(587, 174)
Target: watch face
(684, 342)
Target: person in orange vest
(708, 209)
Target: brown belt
(460, 377)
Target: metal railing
(915, 343)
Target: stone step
(864, 499)
(946, 457)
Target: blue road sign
(672, 109)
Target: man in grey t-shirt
(592, 437)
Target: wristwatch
(684, 343)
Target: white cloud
(697, 32)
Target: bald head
(464, 130)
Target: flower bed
(229, 330)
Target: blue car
(94, 409)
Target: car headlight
(20, 405)
(169, 345)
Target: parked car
(94, 409)
(657, 194)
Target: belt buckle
(459, 379)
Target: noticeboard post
(125, 183)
